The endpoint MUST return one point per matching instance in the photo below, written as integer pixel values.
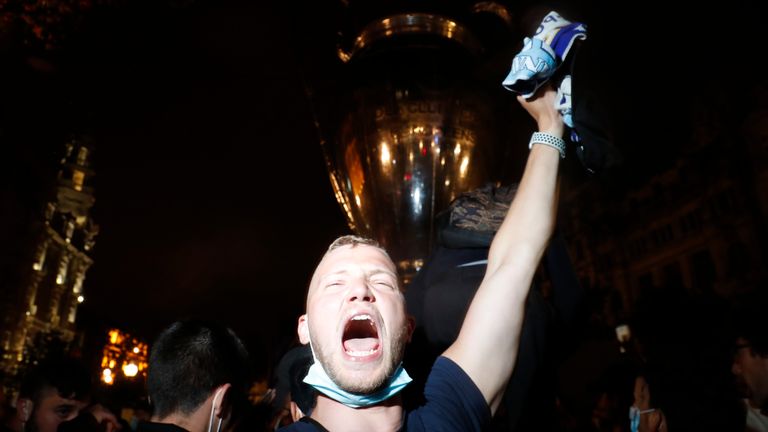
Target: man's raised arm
(486, 348)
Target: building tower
(46, 302)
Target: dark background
(211, 190)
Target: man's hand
(542, 108)
(104, 417)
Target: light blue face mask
(317, 378)
(634, 417)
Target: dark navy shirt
(454, 403)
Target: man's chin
(361, 381)
(362, 388)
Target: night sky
(212, 194)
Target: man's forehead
(350, 257)
(55, 401)
(348, 270)
(51, 396)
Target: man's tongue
(361, 345)
(361, 337)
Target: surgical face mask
(213, 409)
(634, 417)
(317, 378)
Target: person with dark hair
(303, 396)
(198, 377)
(357, 325)
(439, 295)
(750, 363)
(55, 395)
(645, 415)
(293, 396)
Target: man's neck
(192, 423)
(387, 416)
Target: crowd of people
(494, 371)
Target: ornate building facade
(46, 300)
(699, 225)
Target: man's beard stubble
(376, 382)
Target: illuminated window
(69, 230)
(40, 259)
(61, 277)
(82, 156)
(77, 180)
(72, 314)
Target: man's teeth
(361, 317)
(361, 353)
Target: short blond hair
(353, 240)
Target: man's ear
(221, 401)
(303, 329)
(411, 327)
(24, 408)
(296, 413)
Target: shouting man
(357, 326)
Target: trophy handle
(327, 157)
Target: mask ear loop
(213, 408)
(311, 347)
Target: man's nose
(361, 291)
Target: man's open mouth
(361, 337)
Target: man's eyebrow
(377, 271)
(334, 273)
(368, 273)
